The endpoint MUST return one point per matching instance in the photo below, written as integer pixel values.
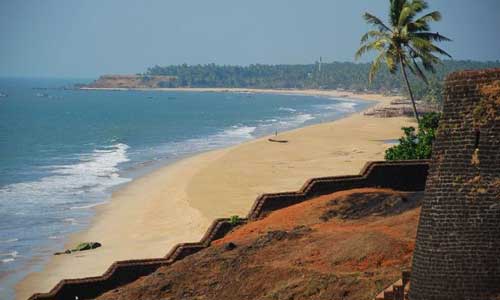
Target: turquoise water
(62, 151)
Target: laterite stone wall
(457, 254)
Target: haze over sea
(63, 151)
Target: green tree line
(335, 75)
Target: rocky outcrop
(132, 82)
(81, 247)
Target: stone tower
(457, 254)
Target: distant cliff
(133, 81)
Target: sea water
(62, 151)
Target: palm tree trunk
(403, 70)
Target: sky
(87, 38)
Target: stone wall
(405, 176)
(457, 254)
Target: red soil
(347, 245)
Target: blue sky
(86, 38)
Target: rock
(360, 205)
(81, 247)
(64, 252)
(229, 246)
(86, 246)
(166, 287)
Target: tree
(406, 43)
(416, 145)
(335, 75)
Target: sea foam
(95, 172)
(340, 107)
(8, 257)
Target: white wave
(95, 172)
(340, 107)
(283, 123)
(11, 256)
(9, 240)
(296, 120)
(287, 109)
(243, 132)
(84, 207)
(231, 136)
(173, 150)
(71, 221)
(266, 122)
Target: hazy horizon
(84, 39)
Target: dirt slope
(347, 245)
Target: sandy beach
(176, 203)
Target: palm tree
(406, 43)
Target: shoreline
(345, 95)
(176, 203)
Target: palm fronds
(408, 35)
(407, 42)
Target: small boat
(277, 141)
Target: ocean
(63, 151)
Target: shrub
(416, 145)
(234, 220)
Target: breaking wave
(95, 172)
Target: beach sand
(177, 203)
